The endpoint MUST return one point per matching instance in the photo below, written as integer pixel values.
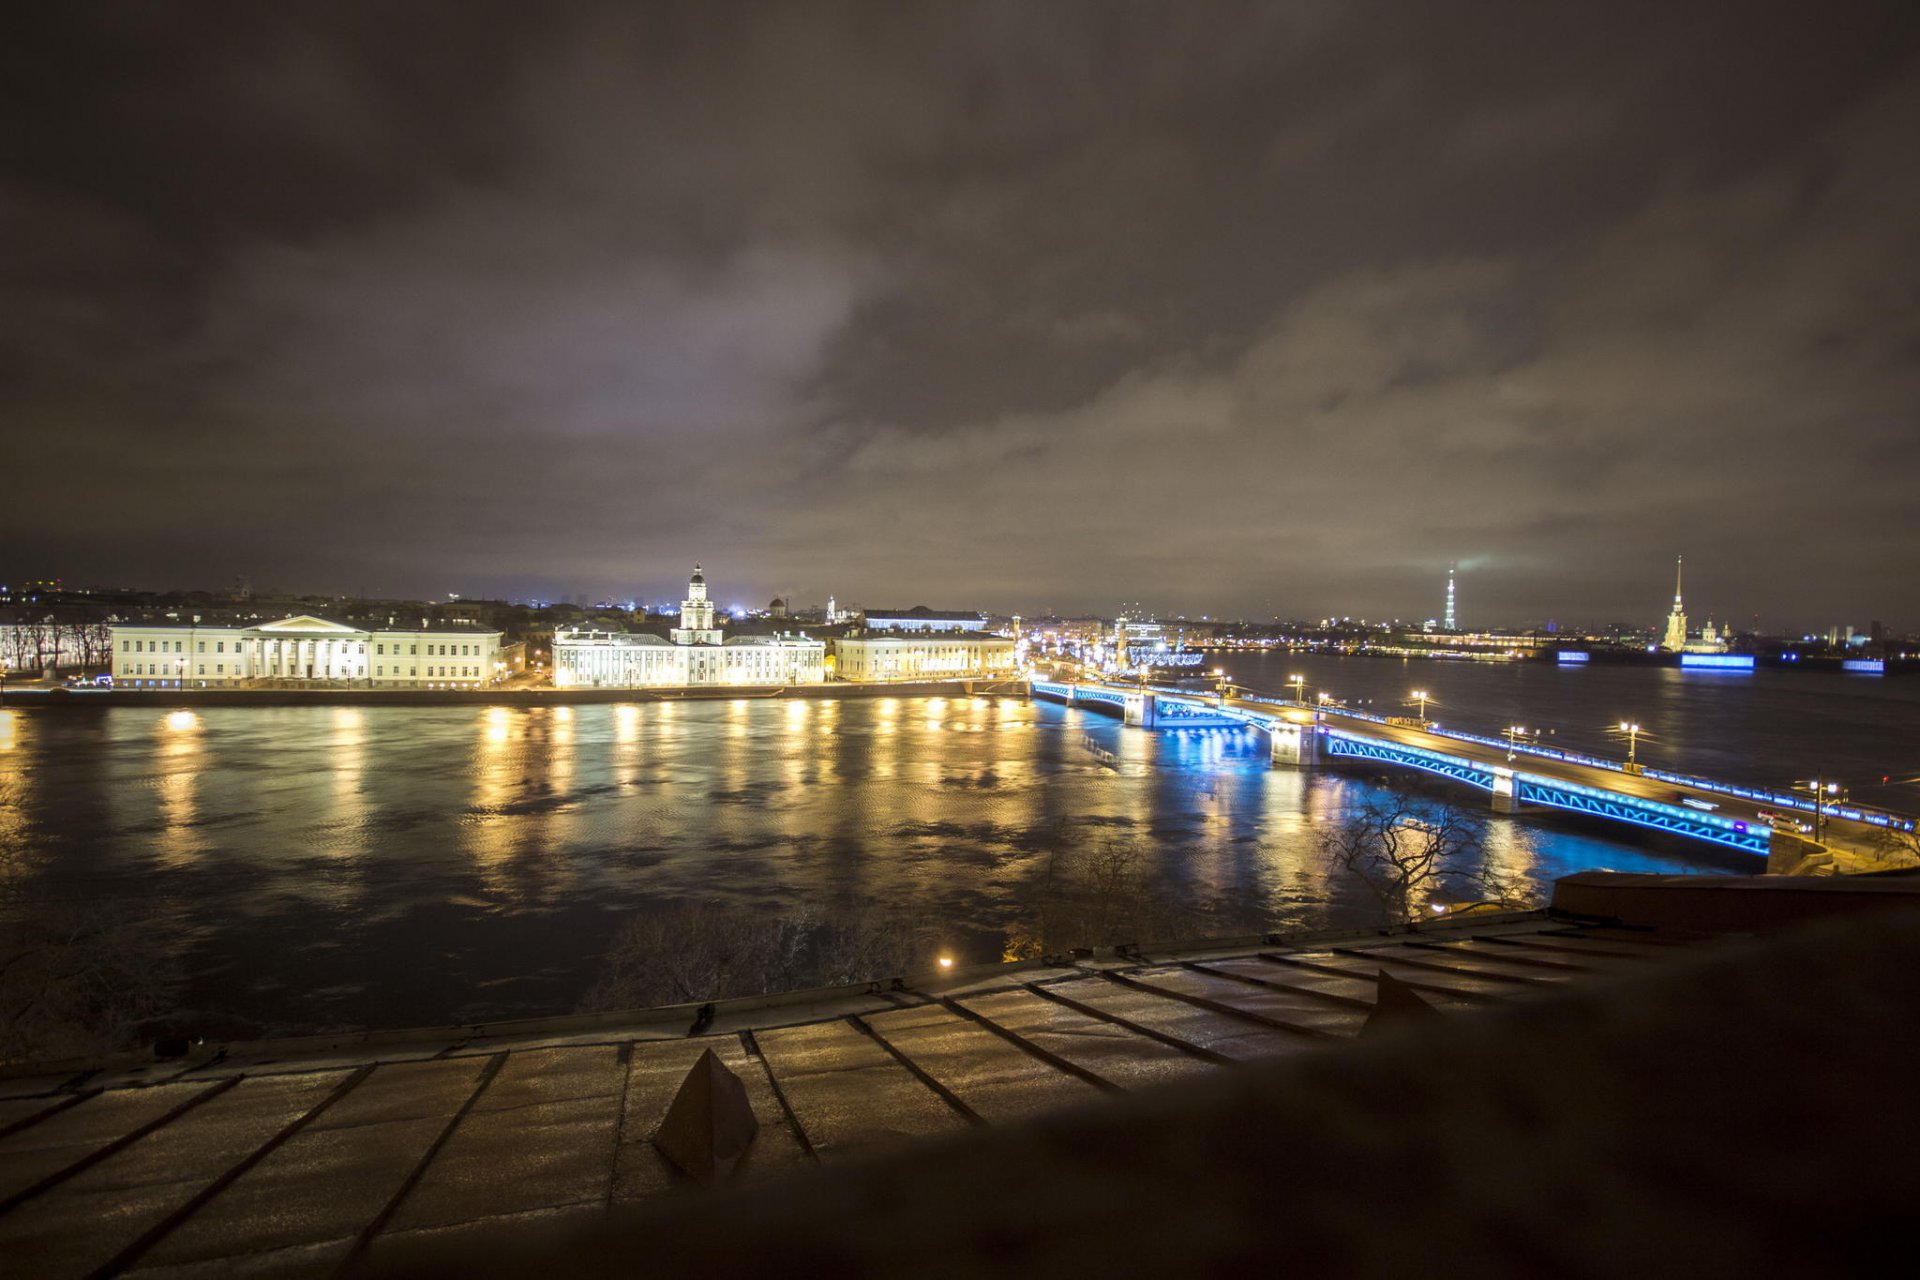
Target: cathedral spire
(1676, 637)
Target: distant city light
(1717, 661)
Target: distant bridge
(1511, 775)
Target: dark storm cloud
(1238, 308)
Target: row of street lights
(1825, 793)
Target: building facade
(921, 618)
(697, 654)
(923, 657)
(304, 650)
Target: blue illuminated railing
(1355, 747)
(1761, 795)
(1644, 813)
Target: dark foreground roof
(1568, 1041)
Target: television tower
(1450, 626)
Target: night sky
(1243, 309)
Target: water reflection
(13, 793)
(177, 766)
(468, 862)
(348, 808)
(499, 779)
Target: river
(317, 867)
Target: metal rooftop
(300, 1158)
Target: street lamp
(1299, 684)
(1514, 734)
(1632, 730)
(1421, 695)
(1220, 677)
(1821, 789)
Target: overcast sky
(1242, 309)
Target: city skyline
(659, 602)
(1238, 313)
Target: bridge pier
(1296, 746)
(1506, 791)
(1141, 710)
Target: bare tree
(95, 642)
(76, 979)
(1096, 897)
(1898, 848)
(38, 640)
(701, 951)
(1408, 849)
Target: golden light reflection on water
(349, 808)
(487, 829)
(177, 775)
(560, 810)
(14, 785)
(626, 742)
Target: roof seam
(1217, 1006)
(1127, 1024)
(752, 1045)
(364, 1240)
(1020, 1042)
(920, 1073)
(200, 1199)
(118, 1145)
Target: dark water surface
(321, 866)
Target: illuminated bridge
(1512, 775)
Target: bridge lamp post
(1220, 677)
(1821, 789)
(1632, 731)
(1514, 734)
(1421, 694)
(1299, 684)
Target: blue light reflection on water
(319, 866)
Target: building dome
(698, 577)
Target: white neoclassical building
(697, 654)
(304, 650)
(923, 657)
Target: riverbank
(74, 699)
